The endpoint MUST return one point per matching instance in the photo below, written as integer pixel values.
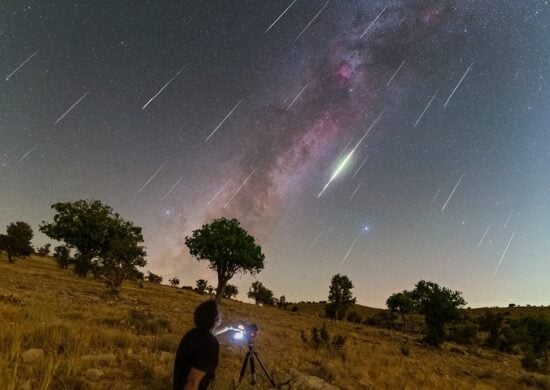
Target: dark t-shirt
(199, 349)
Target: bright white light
(238, 336)
(366, 228)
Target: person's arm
(193, 379)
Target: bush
(384, 319)
(405, 350)
(463, 334)
(354, 317)
(320, 338)
(147, 322)
(154, 278)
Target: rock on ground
(93, 374)
(32, 355)
(309, 382)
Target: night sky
(175, 113)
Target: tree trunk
(403, 318)
(10, 259)
(219, 289)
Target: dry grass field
(92, 342)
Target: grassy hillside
(92, 342)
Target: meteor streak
(310, 22)
(315, 240)
(172, 189)
(374, 21)
(20, 66)
(280, 16)
(483, 237)
(458, 85)
(353, 245)
(239, 189)
(297, 97)
(163, 87)
(151, 178)
(508, 220)
(435, 196)
(70, 108)
(504, 253)
(355, 191)
(360, 166)
(223, 120)
(397, 71)
(26, 154)
(452, 193)
(219, 192)
(425, 109)
(350, 154)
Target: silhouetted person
(197, 355)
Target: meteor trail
(280, 16)
(397, 71)
(310, 22)
(19, 67)
(458, 85)
(352, 246)
(374, 21)
(315, 240)
(239, 189)
(70, 108)
(508, 220)
(435, 196)
(355, 191)
(297, 97)
(504, 253)
(360, 166)
(151, 178)
(483, 237)
(172, 189)
(223, 120)
(26, 154)
(425, 109)
(452, 193)
(348, 157)
(164, 86)
(219, 192)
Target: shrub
(463, 334)
(354, 317)
(154, 278)
(146, 322)
(405, 350)
(320, 338)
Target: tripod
(250, 357)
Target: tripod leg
(252, 370)
(269, 377)
(243, 368)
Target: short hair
(206, 315)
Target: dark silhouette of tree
(174, 282)
(104, 242)
(282, 303)
(230, 291)
(401, 303)
(494, 324)
(260, 294)
(44, 251)
(62, 256)
(340, 297)
(154, 278)
(439, 305)
(201, 286)
(229, 249)
(17, 240)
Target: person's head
(207, 316)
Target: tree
(230, 291)
(229, 249)
(340, 297)
(44, 251)
(154, 278)
(105, 243)
(17, 240)
(401, 303)
(260, 294)
(202, 285)
(494, 324)
(174, 282)
(62, 255)
(282, 303)
(439, 305)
